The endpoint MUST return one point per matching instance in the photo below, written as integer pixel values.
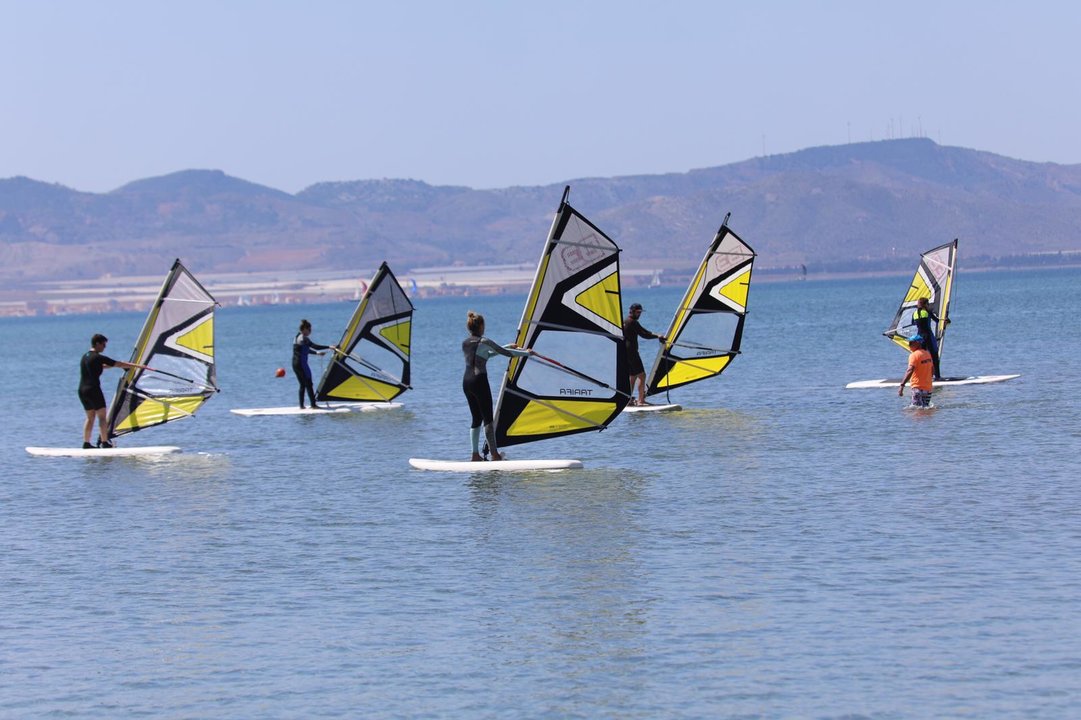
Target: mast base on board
(945, 382)
(493, 465)
(103, 452)
(321, 410)
(667, 407)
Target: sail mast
(947, 295)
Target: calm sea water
(782, 548)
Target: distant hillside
(851, 207)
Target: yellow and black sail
(175, 355)
(577, 379)
(707, 328)
(372, 360)
(933, 280)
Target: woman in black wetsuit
(478, 350)
(302, 347)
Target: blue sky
(491, 94)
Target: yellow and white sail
(373, 358)
(577, 379)
(933, 280)
(707, 328)
(175, 355)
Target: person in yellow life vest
(922, 317)
(920, 367)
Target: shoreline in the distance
(118, 294)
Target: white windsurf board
(321, 410)
(103, 452)
(490, 466)
(668, 407)
(946, 382)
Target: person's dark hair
(98, 338)
(474, 322)
(305, 325)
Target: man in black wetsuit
(631, 332)
(93, 400)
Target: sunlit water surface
(781, 548)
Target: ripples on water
(783, 547)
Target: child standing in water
(302, 347)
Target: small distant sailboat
(174, 373)
(574, 313)
(372, 364)
(933, 280)
(707, 329)
(655, 281)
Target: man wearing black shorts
(93, 400)
(631, 332)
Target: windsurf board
(945, 382)
(668, 407)
(321, 410)
(103, 452)
(507, 465)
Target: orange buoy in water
(280, 372)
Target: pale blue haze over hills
(849, 208)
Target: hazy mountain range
(852, 207)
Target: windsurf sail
(707, 329)
(175, 355)
(372, 360)
(577, 379)
(934, 281)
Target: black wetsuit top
(302, 346)
(478, 350)
(91, 367)
(923, 324)
(632, 330)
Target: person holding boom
(632, 330)
(478, 350)
(922, 317)
(302, 347)
(91, 366)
